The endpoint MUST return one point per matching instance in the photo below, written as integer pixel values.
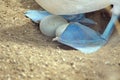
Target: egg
(61, 29)
(49, 24)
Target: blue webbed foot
(81, 38)
(79, 18)
(77, 35)
(36, 15)
(84, 38)
(110, 27)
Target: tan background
(26, 54)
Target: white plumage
(68, 7)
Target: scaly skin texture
(68, 7)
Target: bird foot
(76, 34)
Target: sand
(27, 54)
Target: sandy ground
(26, 54)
